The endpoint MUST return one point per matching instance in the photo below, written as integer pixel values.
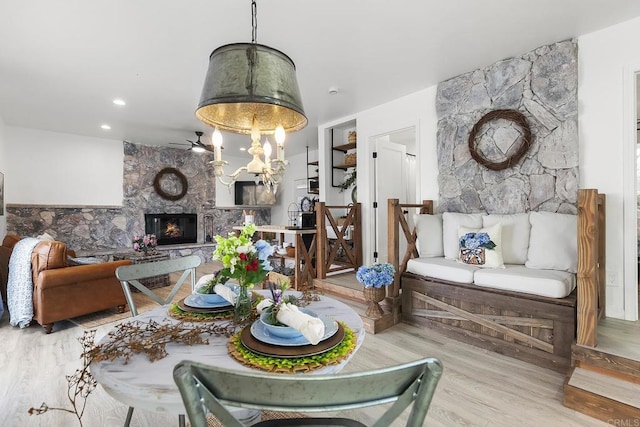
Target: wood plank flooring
(619, 337)
(478, 388)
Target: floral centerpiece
(375, 278)
(146, 243)
(244, 260)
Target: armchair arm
(81, 273)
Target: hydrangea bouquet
(376, 275)
(472, 248)
(476, 240)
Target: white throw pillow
(429, 231)
(486, 252)
(516, 230)
(451, 221)
(553, 244)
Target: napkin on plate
(203, 280)
(265, 303)
(312, 328)
(226, 293)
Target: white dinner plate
(260, 333)
(195, 301)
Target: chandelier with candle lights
(252, 89)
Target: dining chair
(209, 387)
(130, 275)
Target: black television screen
(248, 193)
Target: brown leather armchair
(61, 291)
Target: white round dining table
(147, 385)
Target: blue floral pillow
(481, 247)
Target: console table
(303, 259)
(141, 258)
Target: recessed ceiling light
(105, 127)
(120, 102)
(243, 149)
(333, 90)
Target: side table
(141, 258)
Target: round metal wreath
(170, 171)
(515, 116)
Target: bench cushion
(429, 235)
(515, 235)
(518, 278)
(443, 269)
(554, 242)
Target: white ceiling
(62, 62)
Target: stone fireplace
(101, 230)
(171, 229)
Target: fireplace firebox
(172, 229)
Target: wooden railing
(339, 253)
(395, 221)
(591, 265)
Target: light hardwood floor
(478, 388)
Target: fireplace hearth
(171, 229)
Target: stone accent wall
(541, 84)
(95, 229)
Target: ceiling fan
(196, 146)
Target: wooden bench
(532, 328)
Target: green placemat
(293, 365)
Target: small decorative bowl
(283, 331)
(215, 298)
(210, 298)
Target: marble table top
(150, 386)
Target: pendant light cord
(251, 51)
(254, 21)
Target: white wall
(50, 168)
(418, 110)
(3, 169)
(608, 60)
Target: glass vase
(243, 307)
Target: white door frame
(369, 198)
(629, 191)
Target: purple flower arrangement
(145, 243)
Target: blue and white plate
(260, 332)
(195, 301)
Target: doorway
(395, 176)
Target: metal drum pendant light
(252, 89)
(251, 85)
